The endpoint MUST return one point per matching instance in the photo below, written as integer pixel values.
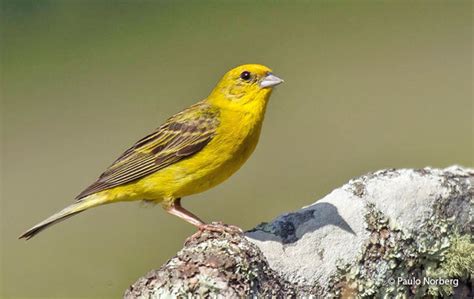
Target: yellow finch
(191, 152)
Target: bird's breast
(233, 143)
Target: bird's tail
(86, 203)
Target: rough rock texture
(215, 264)
(406, 233)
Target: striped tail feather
(86, 203)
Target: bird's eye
(245, 76)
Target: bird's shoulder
(198, 120)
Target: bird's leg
(175, 208)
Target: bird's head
(245, 85)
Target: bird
(191, 152)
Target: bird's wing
(181, 136)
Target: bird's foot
(220, 228)
(217, 227)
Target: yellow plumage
(191, 152)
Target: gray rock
(389, 233)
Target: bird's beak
(270, 80)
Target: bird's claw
(220, 227)
(217, 227)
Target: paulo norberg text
(428, 281)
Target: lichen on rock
(392, 233)
(434, 259)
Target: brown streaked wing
(181, 136)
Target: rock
(393, 232)
(223, 265)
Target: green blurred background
(369, 85)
